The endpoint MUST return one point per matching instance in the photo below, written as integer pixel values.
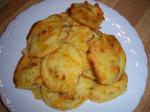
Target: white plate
(14, 40)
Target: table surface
(137, 12)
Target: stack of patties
(67, 60)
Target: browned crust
(16, 70)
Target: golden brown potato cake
(62, 69)
(103, 93)
(79, 36)
(87, 14)
(82, 89)
(54, 100)
(46, 36)
(108, 59)
(42, 25)
(27, 74)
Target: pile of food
(68, 60)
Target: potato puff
(103, 93)
(46, 36)
(79, 36)
(82, 89)
(54, 100)
(27, 74)
(87, 14)
(108, 59)
(42, 25)
(61, 70)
